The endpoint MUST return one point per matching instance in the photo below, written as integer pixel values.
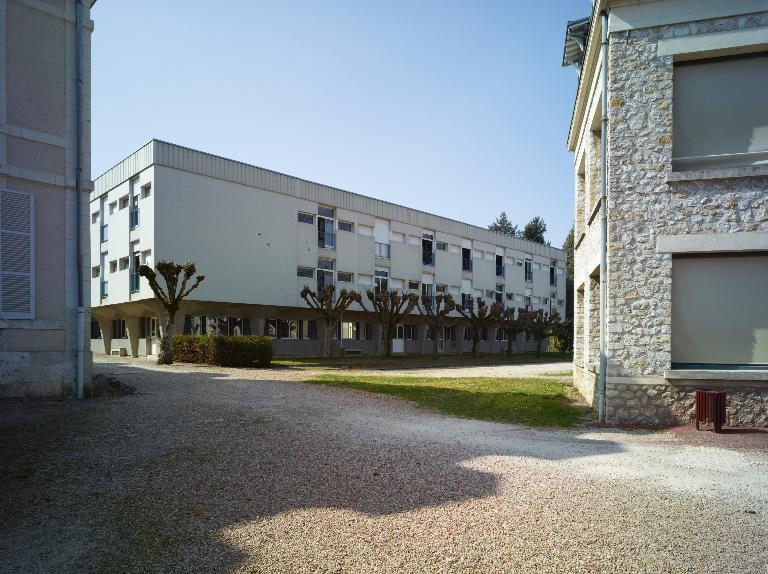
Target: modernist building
(44, 185)
(670, 142)
(260, 236)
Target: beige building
(670, 142)
(260, 236)
(44, 180)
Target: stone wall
(642, 205)
(669, 404)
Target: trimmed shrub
(190, 348)
(241, 351)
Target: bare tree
(543, 325)
(513, 325)
(435, 310)
(390, 307)
(170, 299)
(479, 318)
(330, 309)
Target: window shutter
(16, 255)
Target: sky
(459, 108)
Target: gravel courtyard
(221, 470)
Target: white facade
(255, 234)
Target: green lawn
(535, 402)
(418, 361)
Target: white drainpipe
(601, 381)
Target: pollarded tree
(480, 316)
(329, 308)
(390, 307)
(543, 325)
(435, 310)
(513, 324)
(170, 298)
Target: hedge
(239, 351)
(189, 348)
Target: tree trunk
(475, 347)
(165, 355)
(510, 343)
(435, 344)
(388, 347)
(329, 338)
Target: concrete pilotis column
(257, 325)
(132, 326)
(106, 334)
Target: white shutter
(17, 282)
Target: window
(528, 270)
(95, 271)
(466, 259)
(133, 213)
(95, 217)
(382, 250)
(527, 302)
(112, 207)
(146, 190)
(381, 280)
(413, 285)
(17, 280)
(553, 276)
(441, 246)
(719, 114)
(465, 299)
(124, 262)
(118, 329)
(427, 249)
(488, 294)
(510, 296)
(124, 202)
(104, 291)
(326, 235)
(410, 332)
(346, 226)
(500, 293)
(291, 329)
(345, 277)
(113, 266)
(307, 272)
(325, 264)
(499, 266)
(441, 289)
(306, 218)
(427, 290)
(467, 334)
(449, 333)
(95, 329)
(719, 310)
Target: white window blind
(16, 255)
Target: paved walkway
(223, 470)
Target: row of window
(286, 329)
(128, 200)
(327, 240)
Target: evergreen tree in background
(503, 225)
(568, 248)
(534, 230)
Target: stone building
(44, 184)
(676, 240)
(261, 236)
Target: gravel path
(218, 470)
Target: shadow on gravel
(147, 482)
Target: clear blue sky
(457, 108)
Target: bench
(348, 352)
